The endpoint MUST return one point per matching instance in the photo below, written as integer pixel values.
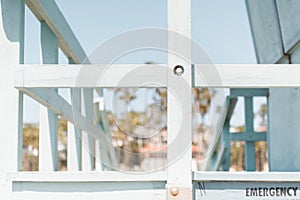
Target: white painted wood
(220, 75)
(92, 176)
(105, 157)
(106, 191)
(48, 140)
(64, 76)
(105, 153)
(61, 107)
(179, 97)
(74, 135)
(49, 12)
(218, 124)
(247, 76)
(99, 158)
(88, 185)
(246, 190)
(11, 105)
(88, 142)
(48, 129)
(247, 176)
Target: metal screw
(174, 191)
(178, 70)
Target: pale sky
(220, 27)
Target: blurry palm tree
(263, 114)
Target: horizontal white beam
(48, 11)
(90, 76)
(246, 176)
(92, 176)
(247, 75)
(95, 176)
(155, 75)
(59, 106)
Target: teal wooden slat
(48, 156)
(248, 92)
(249, 145)
(226, 140)
(49, 45)
(289, 17)
(249, 136)
(48, 11)
(230, 104)
(265, 29)
(295, 55)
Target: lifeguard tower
(276, 35)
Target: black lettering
(283, 191)
(272, 191)
(266, 191)
(295, 190)
(247, 192)
(254, 192)
(277, 191)
(260, 192)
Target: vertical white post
(101, 150)
(105, 153)
(48, 137)
(100, 156)
(11, 103)
(179, 101)
(88, 143)
(74, 135)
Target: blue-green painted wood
(249, 145)
(49, 45)
(230, 104)
(71, 61)
(49, 48)
(248, 92)
(226, 141)
(47, 10)
(289, 18)
(295, 55)
(249, 136)
(284, 135)
(13, 12)
(20, 130)
(265, 29)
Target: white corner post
(48, 136)
(179, 182)
(11, 103)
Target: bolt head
(174, 191)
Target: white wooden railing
(41, 82)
